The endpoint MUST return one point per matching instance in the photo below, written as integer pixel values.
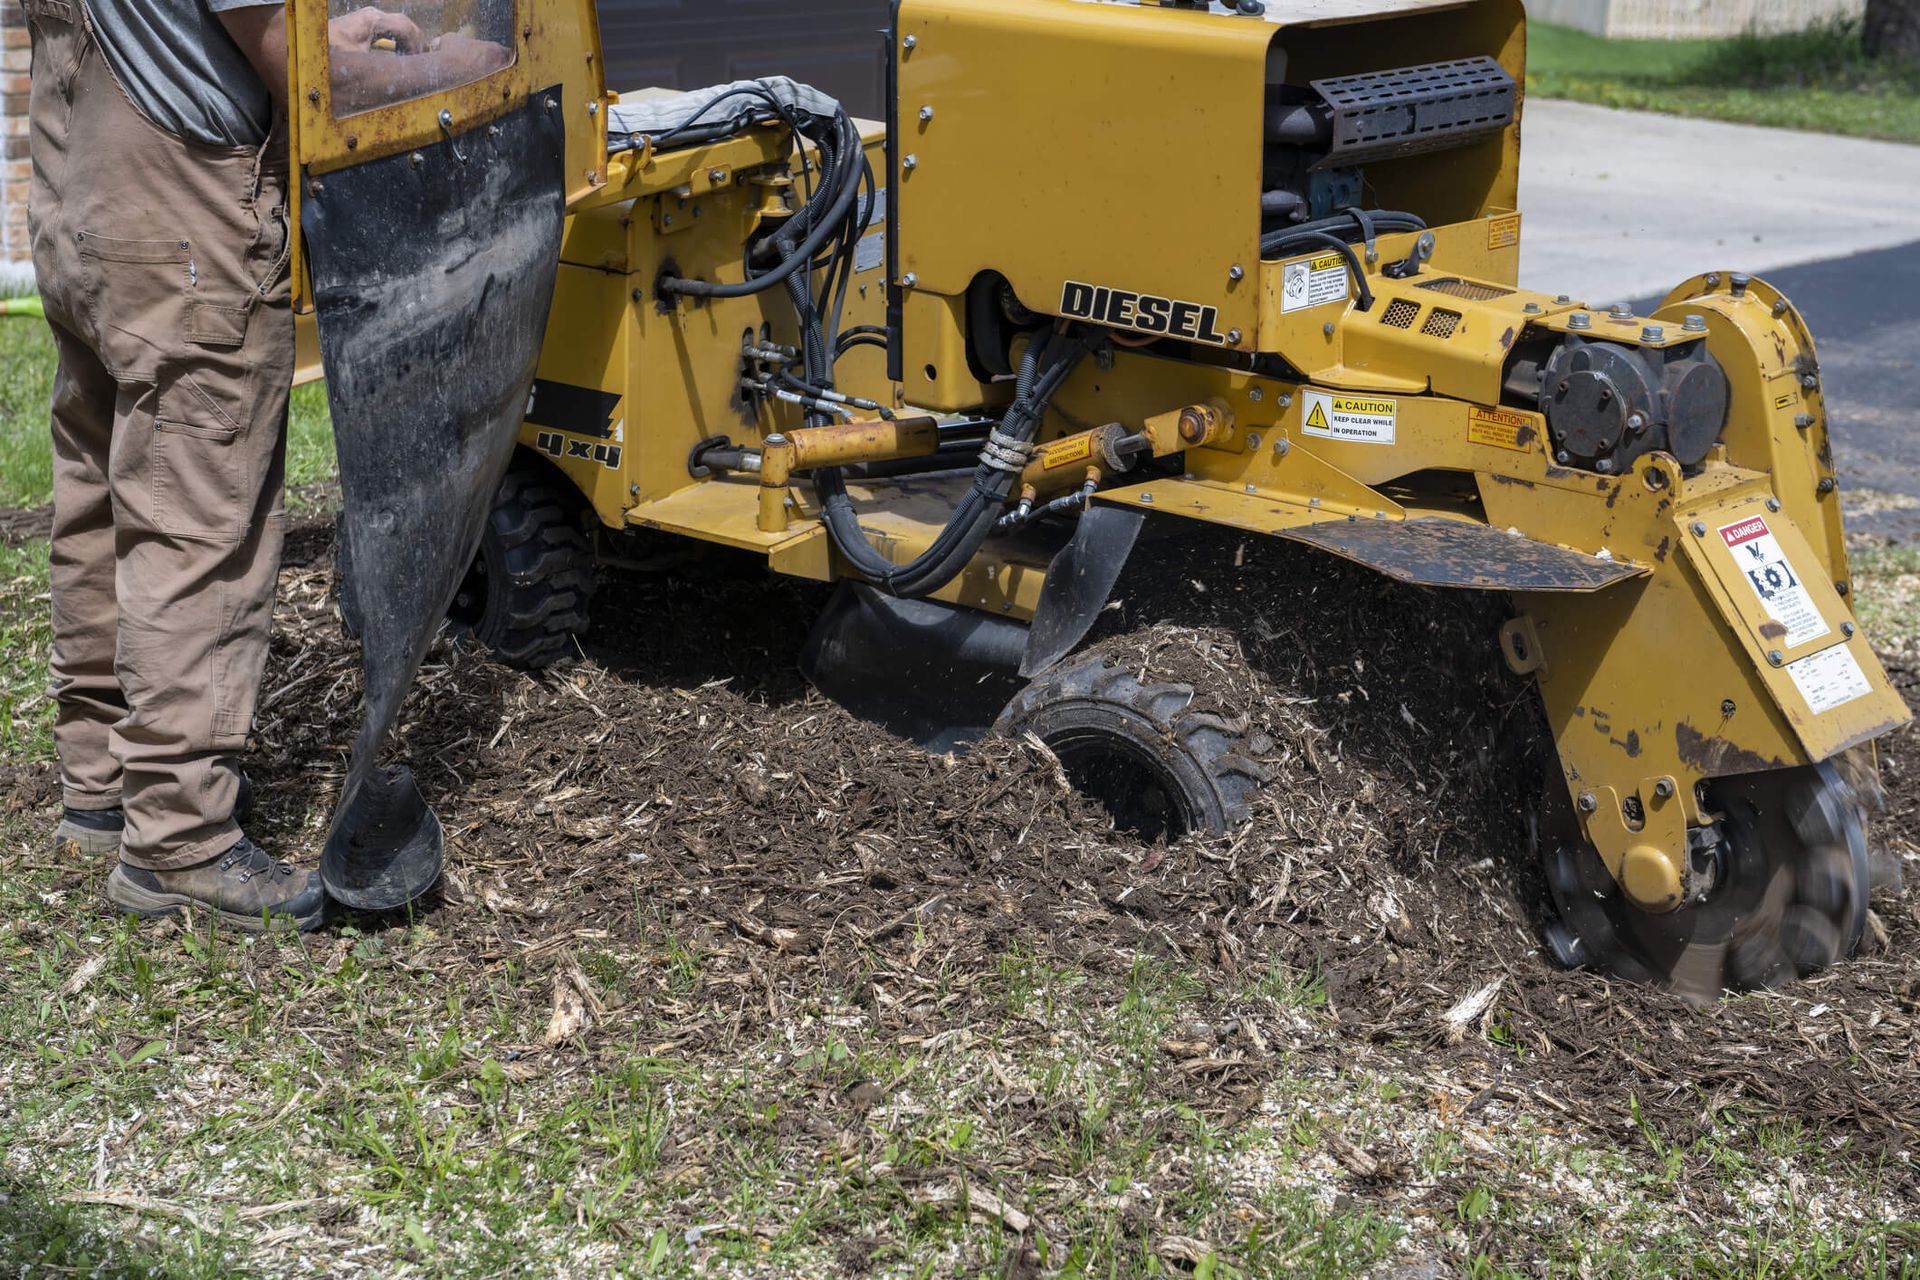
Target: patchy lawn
(1818, 80)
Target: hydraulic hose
(1042, 371)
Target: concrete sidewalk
(1622, 205)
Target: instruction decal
(1361, 419)
(1503, 232)
(1064, 453)
(1313, 282)
(1768, 571)
(1829, 679)
(1502, 429)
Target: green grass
(1819, 79)
(1888, 579)
(26, 714)
(26, 376)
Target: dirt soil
(683, 767)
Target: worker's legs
(167, 264)
(87, 695)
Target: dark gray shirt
(182, 70)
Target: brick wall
(1673, 19)
(14, 166)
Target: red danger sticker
(1739, 534)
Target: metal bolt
(1563, 457)
(1589, 802)
(1253, 488)
(716, 176)
(1829, 485)
(1327, 328)
(1256, 395)
(1776, 657)
(910, 43)
(1620, 311)
(1805, 420)
(1281, 448)
(1780, 307)
(353, 141)
(776, 440)
(1636, 423)
(633, 491)
(1286, 400)
(926, 115)
(1580, 320)
(1234, 336)
(1695, 324)
(1664, 788)
(1713, 281)
(593, 108)
(1146, 497)
(909, 280)
(638, 296)
(1739, 283)
(910, 163)
(313, 189)
(547, 103)
(1253, 440)
(1564, 300)
(1844, 588)
(1847, 629)
(1533, 308)
(1699, 529)
(313, 96)
(1773, 504)
(1727, 709)
(1811, 382)
(1604, 466)
(416, 159)
(1236, 272)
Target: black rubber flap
(1079, 583)
(433, 272)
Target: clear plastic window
(399, 50)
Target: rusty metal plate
(1432, 552)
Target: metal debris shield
(433, 272)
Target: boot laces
(250, 860)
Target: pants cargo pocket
(197, 468)
(136, 293)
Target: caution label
(1501, 429)
(1363, 419)
(1313, 282)
(1503, 232)
(1065, 453)
(1829, 679)
(1770, 574)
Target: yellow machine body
(1073, 150)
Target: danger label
(1313, 282)
(1364, 419)
(1503, 232)
(1768, 571)
(1829, 679)
(1502, 430)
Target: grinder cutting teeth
(1782, 880)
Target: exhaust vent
(1402, 313)
(1441, 324)
(1469, 290)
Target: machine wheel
(1789, 896)
(527, 595)
(1161, 768)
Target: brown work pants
(163, 265)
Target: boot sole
(91, 842)
(135, 901)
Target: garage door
(833, 45)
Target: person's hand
(356, 32)
(462, 59)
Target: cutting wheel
(1790, 880)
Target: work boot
(98, 831)
(243, 887)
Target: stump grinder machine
(1107, 265)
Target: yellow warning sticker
(1362, 419)
(1786, 401)
(1065, 453)
(1501, 429)
(1504, 232)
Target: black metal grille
(1441, 324)
(1402, 313)
(1387, 114)
(1469, 290)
